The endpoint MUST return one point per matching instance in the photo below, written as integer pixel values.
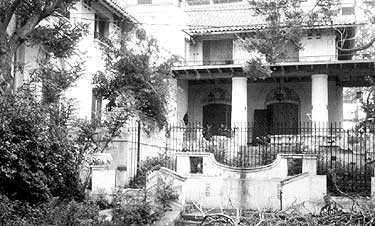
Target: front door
(216, 119)
(283, 118)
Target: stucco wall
(90, 51)
(124, 151)
(257, 93)
(316, 47)
(220, 186)
(182, 98)
(164, 21)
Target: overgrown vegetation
(146, 167)
(289, 217)
(136, 80)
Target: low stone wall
(169, 177)
(215, 185)
(302, 188)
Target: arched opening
(216, 119)
(282, 106)
(283, 118)
(280, 115)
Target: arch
(282, 94)
(215, 95)
(283, 107)
(216, 118)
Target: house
(106, 20)
(305, 86)
(235, 108)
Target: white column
(239, 100)
(319, 98)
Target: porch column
(239, 101)
(239, 110)
(319, 98)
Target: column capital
(319, 76)
(239, 78)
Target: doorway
(283, 118)
(216, 119)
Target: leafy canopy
(136, 79)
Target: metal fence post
(138, 144)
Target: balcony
(102, 38)
(285, 61)
(352, 70)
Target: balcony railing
(315, 58)
(102, 38)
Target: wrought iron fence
(346, 156)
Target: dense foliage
(136, 80)
(285, 24)
(53, 212)
(146, 167)
(30, 14)
(38, 160)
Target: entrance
(283, 118)
(216, 119)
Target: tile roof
(113, 4)
(229, 18)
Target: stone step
(187, 223)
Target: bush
(147, 166)
(134, 209)
(52, 212)
(165, 193)
(38, 157)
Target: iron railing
(346, 156)
(289, 59)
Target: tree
(136, 80)
(28, 15)
(39, 156)
(284, 27)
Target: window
(101, 26)
(101, 31)
(144, 2)
(198, 2)
(196, 165)
(347, 11)
(96, 107)
(226, 1)
(218, 52)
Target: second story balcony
(304, 59)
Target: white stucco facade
(256, 99)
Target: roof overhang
(205, 30)
(119, 10)
(346, 72)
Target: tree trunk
(6, 54)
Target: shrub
(52, 212)
(147, 166)
(38, 159)
(165, 193)
(134, 209)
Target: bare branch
(366, 46)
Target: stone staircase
(191, 219)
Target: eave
(346, 72)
